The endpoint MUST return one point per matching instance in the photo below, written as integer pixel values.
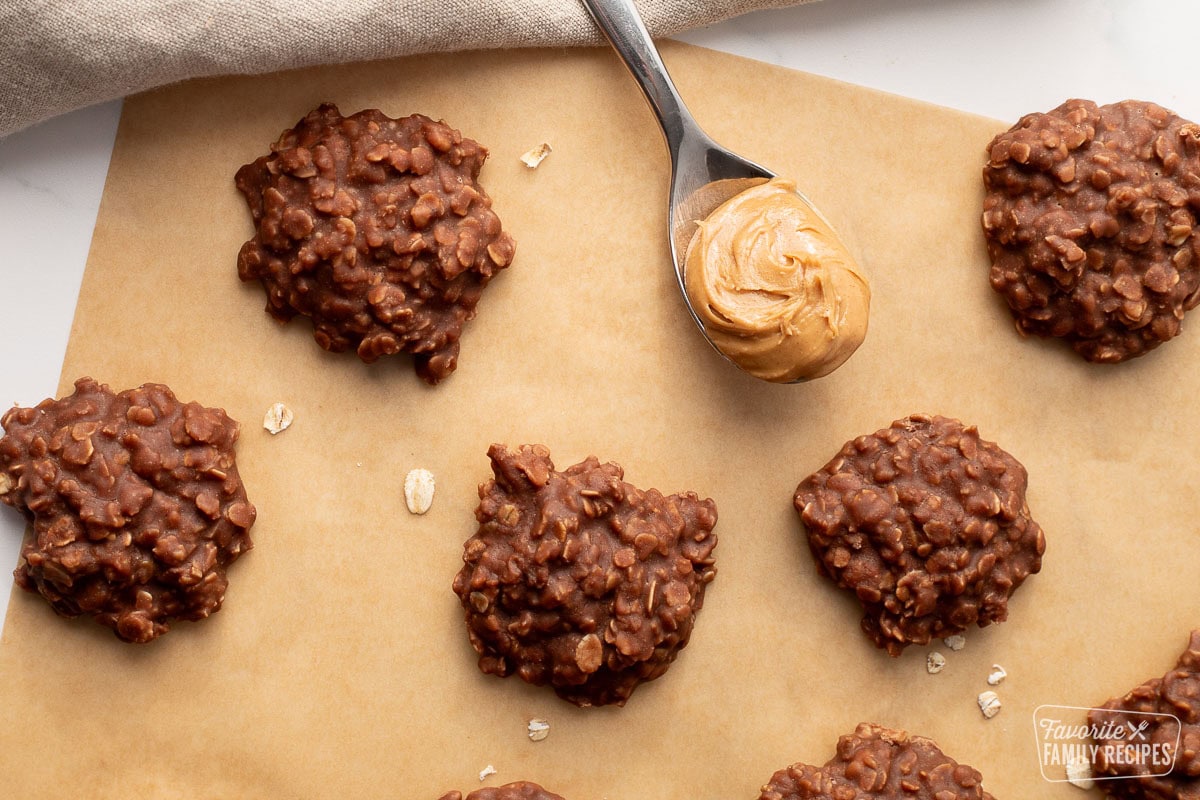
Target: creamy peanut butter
(776, 289)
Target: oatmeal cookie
(377, 230)
(1177, 694)
(876, 763)
(927, 524)
(136, 504)
(521, 790)
(1090, 220)
(580, 580)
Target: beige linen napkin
(58, 55)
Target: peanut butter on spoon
(774, 286)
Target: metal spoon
(703, 173)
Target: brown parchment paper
(339, 666)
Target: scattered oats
(486, 772)
(997, 675)
(989, 704)
(956, 642)
(418, 490)
(935, 662)
(538, 729)
(278, 419)
(536, 156)
(1079, 772)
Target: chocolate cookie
(875, 763)
(1178, 694)
(1090, 219)
(579, 580)
(376, 229)
(927, 524)
(521, 790)
(136, 504)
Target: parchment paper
(339, 666)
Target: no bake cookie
(927, 524)
(136, 504)
(876, 763)
(579, 580)
(377, 230)
(1169, 709)
(1090, 220)
(521, 790)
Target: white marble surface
(1000, 58)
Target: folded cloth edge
(60, 55)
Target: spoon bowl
(699, 185)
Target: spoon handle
(623, 27)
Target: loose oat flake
(418, 490)
(486, 772)
(989, 704)
(278, 418)
(539, 729)
(1079, 772)
(997, 675)
(935, 662)
(532, 158)
(956, 642)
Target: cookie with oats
(377, 230)
(1090, 221)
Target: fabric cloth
(58, 55)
